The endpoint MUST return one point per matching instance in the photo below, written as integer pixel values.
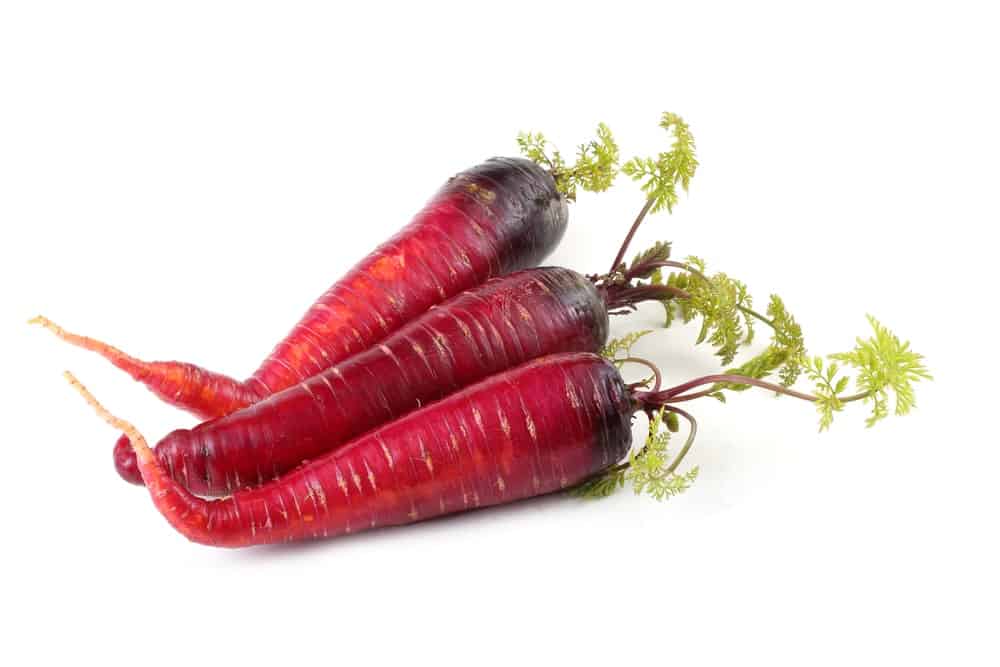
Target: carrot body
(489, 329)
(497, 217)
(543, 426)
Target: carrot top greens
(594, 170)
(596, 167)
(619, 350)
(651, 469)
(884, 366)
(661, 175)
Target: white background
(184, 180)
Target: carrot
(542, 427)
(553, 423)
(489, 329)
(499, 216)
(496, 217)
(496, 326)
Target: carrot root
(139, 444)
(203, 392)
(127, 363)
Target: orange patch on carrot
(387, 267)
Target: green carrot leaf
(594, 170)
(720, 301)
(658, 252)
(617, 349)
(661, 176)
(784, 354)
(885, 364)
(601, 486)
(648, 470)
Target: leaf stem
(663, 263)
(657, 377)
(693, 423)
(753, 313)
(631, 233)
(677, 394)
(619, 296)
(695, 272)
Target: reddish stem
(631, 233)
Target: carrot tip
(109, 352)
(45, 322)
(142, 450)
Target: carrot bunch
(443, 374)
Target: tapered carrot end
(127, 363)
(139, 445)
(43, 321)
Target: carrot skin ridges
(497, 217)
(500, 216)
(484, 331)
(205, 393)
(494, 218)
(543, 426)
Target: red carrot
(542, 427)
(497, 217)
(491, 328)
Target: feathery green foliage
(826, 392)
(785, 353)
(884, 363)
(603, 484)
(661, 175)
(787, 340)
(725, 308)
(594, 170)
(721, 302)
(617, 348)
(647, 470)
(658, 252)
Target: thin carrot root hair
(139, 444)
(124, 361)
